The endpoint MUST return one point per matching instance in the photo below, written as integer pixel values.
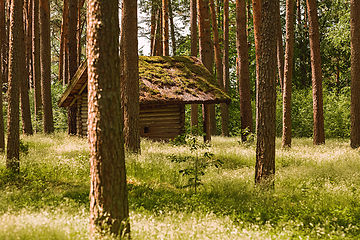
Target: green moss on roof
(174, 77)
(167, 80)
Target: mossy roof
(163, 80)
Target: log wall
(162, 123)
(156, 123)
(82, 115)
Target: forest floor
(316, 193)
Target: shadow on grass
(309, 211)
(39, 191)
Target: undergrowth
(316, 195)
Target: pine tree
(109, 210)
(314, 35)
(266, 47)
(130, 75)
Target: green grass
(316, 195)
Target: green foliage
(336, 113)
(24, 147)
(59, 114)
(196, 163)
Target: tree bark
(289, 53)
(244, 74)
(266, 32)
(17, 57)
(2, 38)
(319, 134)
(157, 44)
(226, 78)
(355, 73)
(25, 105)
(194, 52)
(154, 25)
(280, 50)
(36, 67)
(80, 27)
(109, 210)
(165, 27)
(45, 61)
(130, 76)
(172, 28)
(28, 10)
(206, 56)
(215, 31)
(63, 39)
(303, 49)
(73, 61)
(24, 84)
(218, 63)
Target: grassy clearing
(317, 193)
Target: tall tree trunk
(165, 27)
(24, 84)
(319, 134)
(157, 45)
(109, 208)
(66, 74)
(355, 73)
(25, 104)
(6, 45)
(62, 39)
(194, 52)
(154, 15)
(172, 28)
(226, 78)
(244, 74)
(130, 75)
(206, 56)
(45, 61)
(266, 35)
(73, 61)
(289, 53)
(36, 67)
(28, 45)
(2, 38)
(280, 50)
(215, 31)
(303, 53)
(17, 57)
(80, 27)
(218, 61)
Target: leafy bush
(336, 113)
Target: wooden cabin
(166, 85)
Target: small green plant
(197, 163)
(24, 147)
(247, 136)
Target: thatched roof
(163, 80)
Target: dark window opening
(146, 129)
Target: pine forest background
(334, 23)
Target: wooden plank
(161, 125)
(164, 109)
(160, 137)
(160, 119)
(163, 131)
(142, 115)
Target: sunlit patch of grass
(316, 193)
(56, 168)
(44, 225)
